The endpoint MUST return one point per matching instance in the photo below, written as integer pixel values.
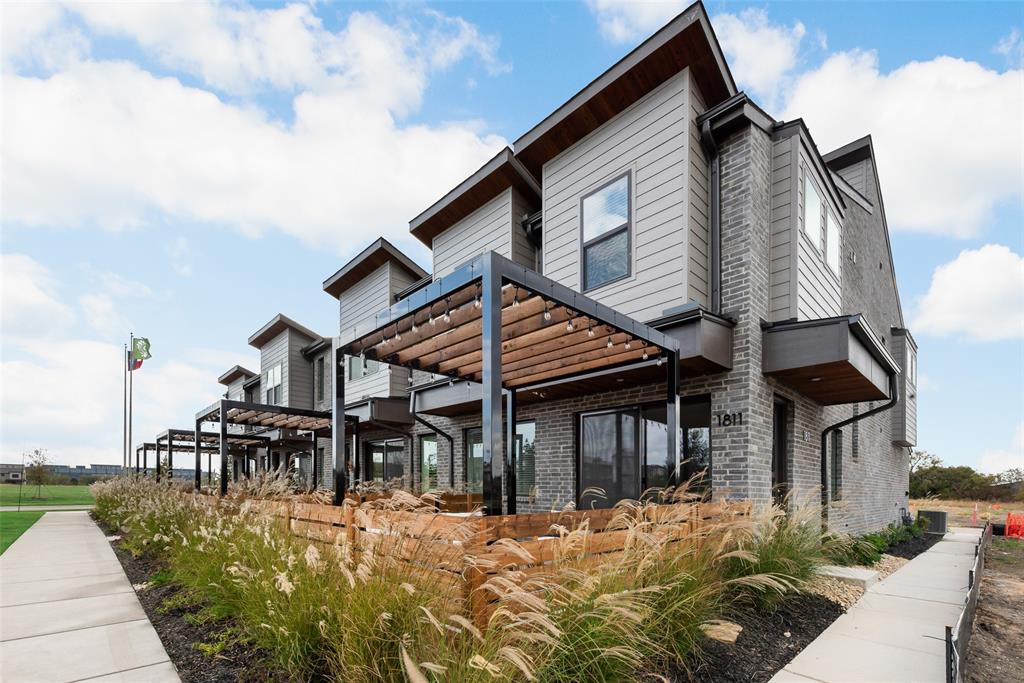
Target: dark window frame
(836, 465)
(518, 450)
(627, 228)
(437, 472)
(320, 378)
(368, 458)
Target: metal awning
(831, 360)
(268, 416)
(508, 328)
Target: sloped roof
(234, 373)
(278, 324)
(368, 260)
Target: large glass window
(385, 460)
(812, 211)
(428, 462)
(273, 390)
(624, 452)
(606, 239)
(475, 460)
(832, 243)
(526, 458)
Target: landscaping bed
(995, 653)
(180, 624)
(908, 550)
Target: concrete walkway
(896, 631)
(68, 612)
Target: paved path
(896, 631)
(44, 508)
(68, 612)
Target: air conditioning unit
(936, 520)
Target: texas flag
(139, 353)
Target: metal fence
(958, 636)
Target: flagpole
(131, 354)
(124, 413)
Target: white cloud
(761, 54)
(37, 33)
(996, 461)
(979, 295)
(947, 133)
(1011, 46)
(30, 299)
(178, 252)
(109, 144)
(623, 21)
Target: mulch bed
(908, 550)
(241, 664)
(768, 642)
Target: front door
(780, 447)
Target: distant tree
(37, 472)
(950, 482)
(1010, 476)
(922, 460)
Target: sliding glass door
(384, 460)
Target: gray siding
(273, 352)
(904, 414)
(856, 175)
(523, 251)
(235, 391)
(698, 209)
(650, 139)
(819, 290)
(489, 228)
(300, 373)
(782, 256)
(367, 297)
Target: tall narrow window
(609, 462)
(320, 378)
(526, 450)
(273, 390)
(385, 461)
(832, 245)
(474, 460)
(428, 462)
(606, 236)
(812, 211)
(837, 464)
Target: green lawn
(14, 524)
(49, 495)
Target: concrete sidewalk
(68, 612)
(896, 631)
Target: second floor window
(360, 367)
(832, 243)
(320, 378)
(605, 218)
(273, 390)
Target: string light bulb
(430, 319)
(515, 299)
(569, 327)
(645, 355)
(590, 329)
(547, 312)
(609, 344)
(661, 359)
(414, 327)
(447, 314)
(628, 344)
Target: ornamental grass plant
(374, 610)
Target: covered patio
(184, 440)
(507, 329)
(256, 419)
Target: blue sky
(186, 172)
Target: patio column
(223, 450)
(672, 409)
(170, 456)
(493, 463)
(313, 459)
(145, 459)
(510, 451)
(338, 425)
(245, 463)
(357, 459)
(158, 459)
(199, 454)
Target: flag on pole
(140, 352)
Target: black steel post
(223, 450)
(245, 463)
(493, 463)
(199, 455)
(158, 459)
(170, 456)
(510, 452)
(672, 409)
(338, 426)
(145, 459)
(313, 458)
(357, 455)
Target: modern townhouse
(655, 282)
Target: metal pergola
(260, 417)
(509, 328)
(209, 442)
(144, 448)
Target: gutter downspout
(894, 392)
(439, 432)
(707, 141)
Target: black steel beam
(510, 452)
(199, 454)
(493, 463)
(223, 449)
(313, 459)
(672, 409)
(157, 460)
(338, 422)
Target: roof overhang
(370, 259)
(501, 172)
(234, 373)
(686, 41)
(266, 416)
(831, 361)
(278, 324)
(387, 411)
(548, 331)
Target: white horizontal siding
(489, 228)
(819, 290)
(651, 140)
(366, 298)
(698, 208)
(782, 230)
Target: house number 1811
(729, 419)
